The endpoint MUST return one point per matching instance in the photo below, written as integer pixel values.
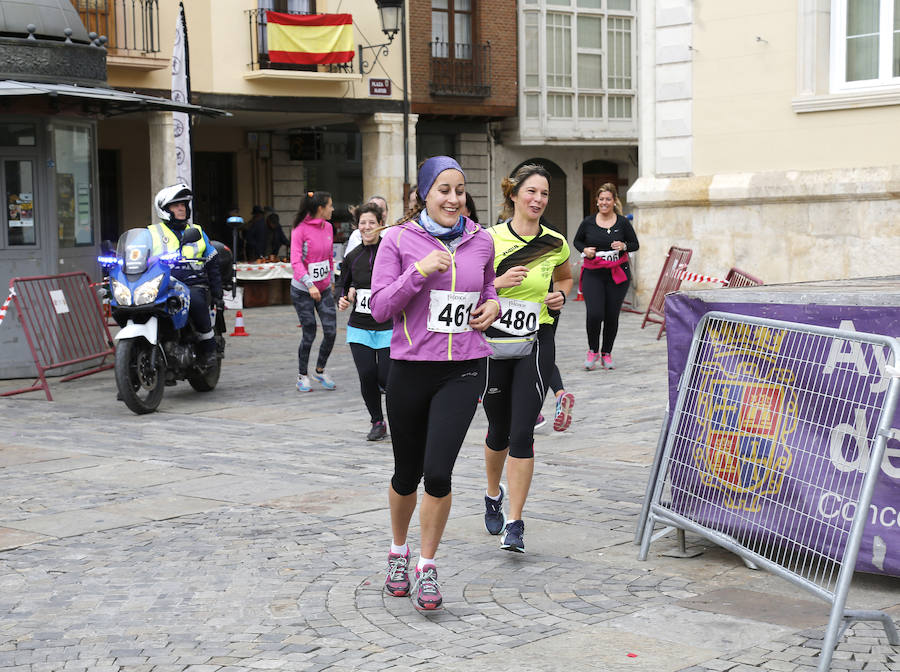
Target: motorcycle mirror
(107, 247)
(192, 235)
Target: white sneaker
(303, 384)
(323, 379)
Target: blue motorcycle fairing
(168, 287)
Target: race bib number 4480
(450, 312)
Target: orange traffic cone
(239, 325)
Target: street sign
(379, 87)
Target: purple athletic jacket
(401, 292)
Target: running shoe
(563, 418)
(540, 422)
(606, 361)
(323, 379)
(590, 362)
(494, 518)
(378, 431)
(513, 538)
(397, 582)
(303, 383)
(428, 593)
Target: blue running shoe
(323, 379)
(513, 538)
(494, 518)
(303, 383)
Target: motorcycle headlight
(146, 293)
(122, 293)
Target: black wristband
(564, 296)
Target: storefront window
(74, 207)
(20, 202)
(17, 135)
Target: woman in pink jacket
(312, 260)
(434, 276)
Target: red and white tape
(696, 277)
(12, 293)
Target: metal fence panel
(669, 280)
(63, 324)
(738, 278)
(773, 450)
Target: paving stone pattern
(246, 529)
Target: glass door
(20, 225)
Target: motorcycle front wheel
(204, 381)
(140, 383)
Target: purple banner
(771, 445)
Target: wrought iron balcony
(460, 70)
(259, 49)
(130, 26)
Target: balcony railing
(460, 70)
(130, 26)
(259, 49)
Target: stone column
(382, 157)
(162, 155)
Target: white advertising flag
(180, 93)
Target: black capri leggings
(603, 300)
(372, 367)
(430, 406)
(514, 395)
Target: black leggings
(430, 406)
(307, 308)
(514, 394)
(603, 299)
(372, 367)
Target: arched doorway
(556, 209)
(594, 174)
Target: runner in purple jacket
(434, 276)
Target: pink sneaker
(606, 361)
(397, 582)
(590, 362)
(563, 418)
(428, 593)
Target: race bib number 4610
(319, 270)
(450, 312)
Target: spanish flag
(309, 39)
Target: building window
(865, 40)
(578, 60)
(451, 29)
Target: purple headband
(431, 169)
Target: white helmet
(176, 193)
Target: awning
(113, 100)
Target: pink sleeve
(297, 263)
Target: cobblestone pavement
(246, 529)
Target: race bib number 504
(319, 270)
(450, 312)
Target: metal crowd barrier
(738, 278)
(677, 259)
(749, 458)
(63, 324)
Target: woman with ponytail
(604, 240)
(312, 261)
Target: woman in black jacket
(604, 240)
(370, 341)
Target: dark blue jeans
(306, 311)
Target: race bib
(611, 255)
(450, 312)
(319, 270)
(363, 296)
(517, 317)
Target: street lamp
(391, 12)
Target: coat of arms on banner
(746, 408)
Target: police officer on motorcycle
(173, 205)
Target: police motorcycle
(157, 345)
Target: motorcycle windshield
(134, 250)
